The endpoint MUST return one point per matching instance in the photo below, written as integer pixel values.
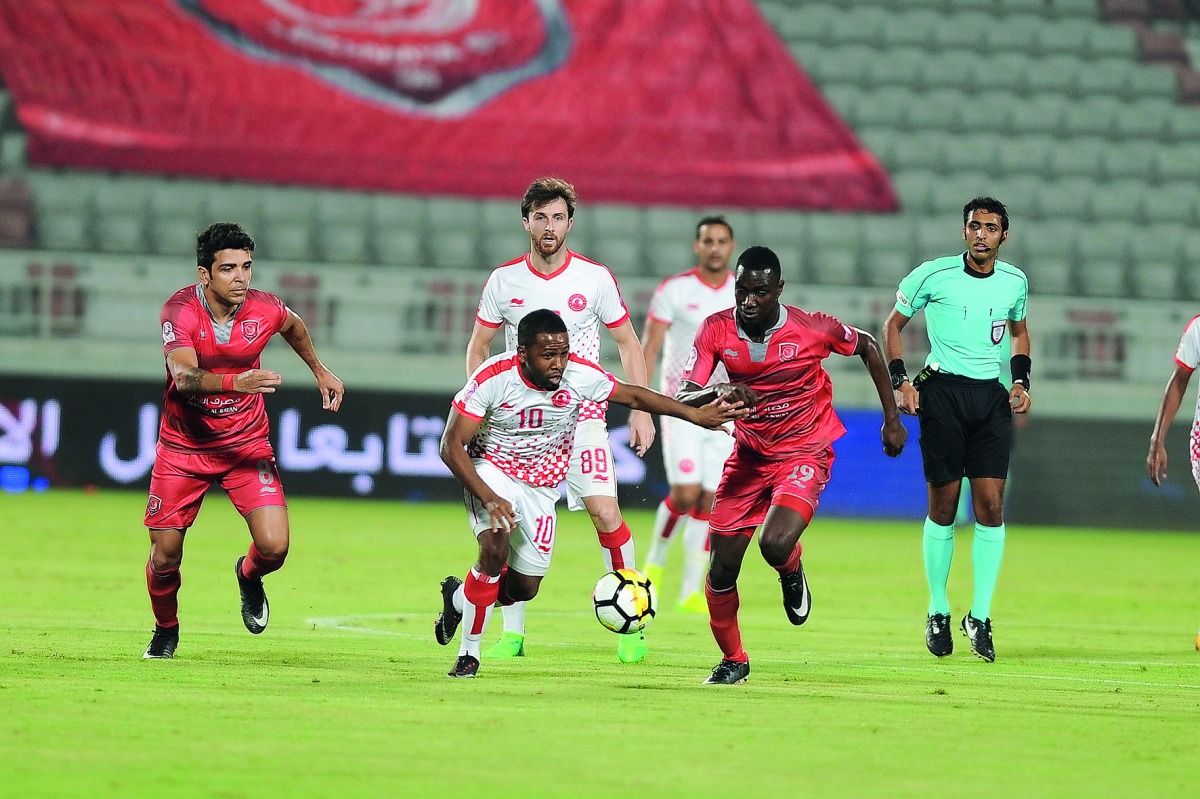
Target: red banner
(689, 102)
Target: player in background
(585, 294)
(1187, 358)
(508, 441)
(214, 425)
(971, 300)
(784, 449)
(693, 457)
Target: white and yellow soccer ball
(625, 600)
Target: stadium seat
(1056, 74)
(949, 70)
(1019, 193)
(500, 248)
(1151, 81)
(889, 233)
(1143, 119)
(344, 242)
(234, 202)
(914, 187)
(1101, 277)
(342, 207)
(1092, 116)
(809, 22)
(839, 65)
(939, 235)
(834, 232)
(1063, 38)
(121, 233)
(1016, 33)
(973, 152)
(669, 256)
(862, 25)
(835, 266)
(1117, 201)
(397, 245)
(610, 221)
(672, 224)
(174, 235)
(1065, 199)
(913, 28)
(1106, 77)
(1177, 162)
(1007, 72)
(1133, 159)
(1171, 203)
(1040, 114)
(1078, 157)
(940, 110)
(883, 107)
(502, 217)
(12, 152)
(901, 66)
(1183, 125)
(1111, 41)
(63, 229)
(925, 150)
(1155, 281)
(1045, 253)
(295, 206)
(886, 268)
(623, 256)
(287, 241)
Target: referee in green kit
(971, 301)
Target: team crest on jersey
(788, 351)
(561, 398)
(441, 58)
(168, 333)
(153, 505)
(577, 302)
(998, 330)
(250, 329)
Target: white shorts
(531, 543)
(591, 473)
(694, 454)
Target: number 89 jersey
(525, 431)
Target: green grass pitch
(1095, 692)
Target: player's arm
(894, 433)
(696, 395)
(458, 433)
(295, 333)
(1018, 395)
(189, 378)
(652, 341)
(479, 348)
(1156, 460)
(907, 399)
(633, 361)
(712, 415)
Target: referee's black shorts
(966, 428)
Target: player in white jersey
(693, 457)
(585, 294)
(509, 440)
(1187, 358)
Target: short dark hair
(989, 205)
(547, 190)
(221, 236)
(715, 219)
(534, 323)
(759, 258)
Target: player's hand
(501, 515)
(894, 436)
(1156, 463)
(1019, 399)
(257, 381)
(907, 399)
(641, 432)
(332, 390)
(734, 393)
(717, 413)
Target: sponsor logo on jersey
(516, 302)
(561, 398)
(788, 351)
(730, 352)
(168, 333)
(153, 505)
(441, 58)
(998, 330)
(250, 329)
(577, 302)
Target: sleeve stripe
(619, 322)
(1183, 365)
(486, 323)
(462, 411)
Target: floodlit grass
(1096, 690)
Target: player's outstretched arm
(633, 361)
(696, 395)
(712, 415)
(189, 378)
(458, 433)
(295, 333)
(1156, 460)
(907, 399)
(894, 434)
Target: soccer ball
(625, 600)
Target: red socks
(481, 591)
(255, 565)
(618, 547)
(793, 561)
(722, 618)
(164, 594)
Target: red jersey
(795, 411)
(213, 422)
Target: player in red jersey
(784, 448)
(214, 424)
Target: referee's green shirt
(966, 314)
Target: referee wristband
(898, 372)
(1020, 366)
(227, 382)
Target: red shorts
(750, 485)
(179, 480)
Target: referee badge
(998, 330)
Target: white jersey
(682, 302)
(526, 432)
(584, 293)
(1188, 356)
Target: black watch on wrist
(898, 380)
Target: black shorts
(966, 428)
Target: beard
(547, 248)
